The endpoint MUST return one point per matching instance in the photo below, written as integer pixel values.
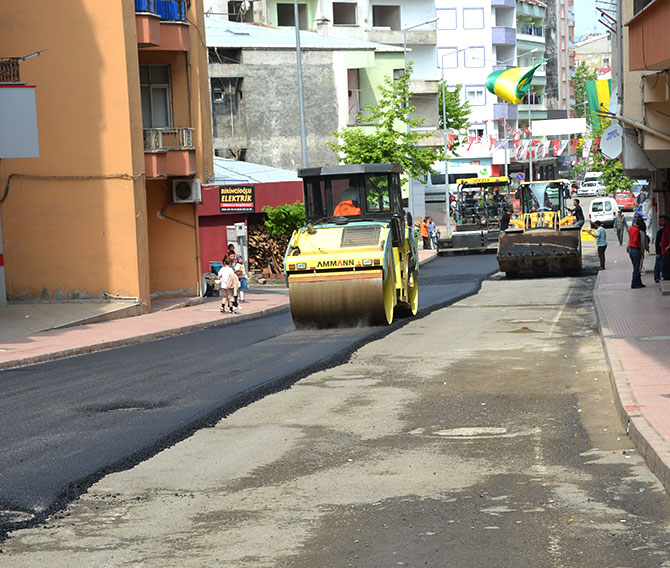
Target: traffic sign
(520, 176)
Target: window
(240, 11)
(377, 199)
(475, 57)
(344, 13)
(354, 94)
(386, 17)
(226, 94)
(224, 56)
(446, 19)
(473, 18)
(475, 96)
(448, 57)
(606, 61)
(476, 132)
(397, 73)
(156, 96)
(286, 15)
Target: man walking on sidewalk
(662, 222)
(620, 225)
(665, 251)
(601, 243)
(635, 253)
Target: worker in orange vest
(424, 233)
(345, 208)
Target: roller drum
(339, 300)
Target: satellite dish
(611, 142)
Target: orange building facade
(109, 208)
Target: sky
(586, 18)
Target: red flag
(575, 142)
(556, 145)
(492, 141)
(450, 140)
(535, 142)
(471, 140)
(596, 144)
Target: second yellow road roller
(355, 262)
(544, 237)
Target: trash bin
(215, 267)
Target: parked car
(590, 189)
(603, 209)
(625, 200)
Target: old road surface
(65, 424)
(482, 435)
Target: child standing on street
(229, 284)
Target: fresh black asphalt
(65, 424)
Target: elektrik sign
(236, 198)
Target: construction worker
(425, 234)
(348, 205)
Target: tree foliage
(393, 140)
(583, 73)
(458, 114)
(285, 219)
(613, 176)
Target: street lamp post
(447, 196)
(301, 90)
(404, 48)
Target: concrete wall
(85, 235)
(82, 223)
(271, 114)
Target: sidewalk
(635, 330)
(40, 332)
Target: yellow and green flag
(598, 94)
(512, 85)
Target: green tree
(285, 219)
(612, 174)
(458, 113)
(393, 140)
(583, 73)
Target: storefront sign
(236, 198)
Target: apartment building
(255, 106)
(595, 51)
(107, 207)
(560, 50)
(645, 116)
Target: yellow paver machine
(544, 237)
(355, 262)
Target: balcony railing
(529, 29)
(168, 10)
(9, 70)
(164, 139)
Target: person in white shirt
(229, 283)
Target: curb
(654, 448)
(136, 339)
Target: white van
(593, 176)
(603, 209)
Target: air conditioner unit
(185, 191)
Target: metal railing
(164, 139)
(169, 10)
(9, 70)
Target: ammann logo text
(334, 263)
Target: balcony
(503, 3)
(169, 152)
(505, 111)
(503, 36)
(162, 25)
(423, 86)
(649, 38)
(9, 70)
(395, 37)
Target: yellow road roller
(543, 238)
(355, 262)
